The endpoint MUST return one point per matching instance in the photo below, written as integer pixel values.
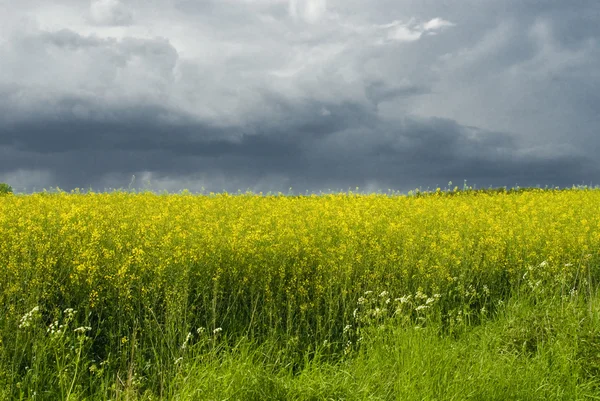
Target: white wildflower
(187, 340)
(54, 328)
(28, 317)
(405, 299)
(82, 329)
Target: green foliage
(5, 188)
(477, 295)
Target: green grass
(531, 349)
(280, 323)
(530, 352)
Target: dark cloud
(378, 91)
(307, 156)
(309, 94)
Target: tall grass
(449, 295)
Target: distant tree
(5, 188)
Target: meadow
(445, 295)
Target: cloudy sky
(315, 95)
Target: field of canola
(143, 276)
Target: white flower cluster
(28, 318)
(57, 328)
(82, 329)
(419, 302)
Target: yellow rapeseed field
(297, 265)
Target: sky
(313, 95)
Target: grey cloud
(417, 151)
(77, 76)
(159, 50)
(378, 91)
(70, 40)
(243, 94)
(573, 22)
(110, 12)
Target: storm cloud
(315, 95)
